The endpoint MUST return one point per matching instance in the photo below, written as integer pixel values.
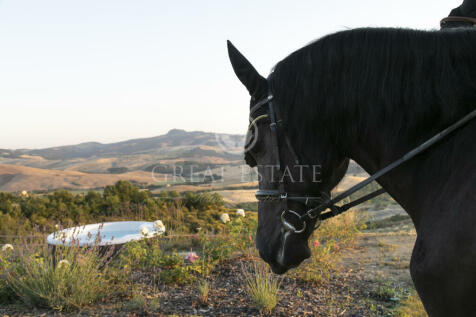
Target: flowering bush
(146, 255)
(144, 231)
(7, 248)
(159, 225)
(191, 257)
(173, 270)
(225, 218)
(63, 264)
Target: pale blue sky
(94, 70)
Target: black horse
(372, 95)
(462, 16)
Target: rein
(289, 216)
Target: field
(17, 178)
(359, 267)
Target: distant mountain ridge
(150, 161)
(174, 138)
(94, 164)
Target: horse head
(284, 179)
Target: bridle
(319, 204)
(280, 194)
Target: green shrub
(217, 249)
(389, 291)
(202, 201)
(169, 268)
(143, 254)
(173, 270)
(262, 287)
(122, 201)
(138, 303)
(7, 264)
(385, 291)
(242, 232)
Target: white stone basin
(107, 233)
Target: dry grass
(29, 179)
(411, 307)
(238, 196)
(203, 287)
(74, 278)
(142, 305)
(327, 243)
(262, 287)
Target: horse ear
(247, 74)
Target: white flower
(63, 263)
(159, 226)
(7, 247)
(24, 193)
(240, 212)
(225, 218)
(144, 231)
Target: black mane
(407, 83)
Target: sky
(107, 71)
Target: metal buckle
(288, 226)
(313, 213)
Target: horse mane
(406, 84)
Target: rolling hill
(200, 160)
(16, 178)
(93, 164)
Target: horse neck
(421, 179)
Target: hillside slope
(15, 178)
(147, 161)
(137, 154)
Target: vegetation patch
(73, 278)
(186, 213)
(201, 267)
(410, 307)
(327, 244)
(262, 287)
